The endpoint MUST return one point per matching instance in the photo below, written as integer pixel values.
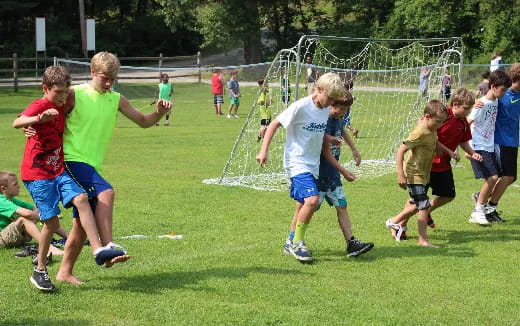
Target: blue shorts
(89, 179)
(48, 193)
(488, 167)
(331, 190)
(302, 186)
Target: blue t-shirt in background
(508, 117)
(233, 84)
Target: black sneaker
(35, 259)
(42, 281)
(27, 251)
(59, 243)
(494, 216)
(356, 247)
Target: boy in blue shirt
(234, 95)
(329, 181)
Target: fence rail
(16, 78)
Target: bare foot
(118, 259)
(427, 244)
(71, 279)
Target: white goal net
(385, 77)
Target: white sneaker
(399, 230)
(228, 116)
(236, 116)
(479, 217)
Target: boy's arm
(32, 215)
(25, 121)
(401, 179)
(350, 143)
(269, 134)
(144, 120)
(466, 146)
(327, 154)
(439, 148)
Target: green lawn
(229, 268)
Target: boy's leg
(49, 227)
(31, 229)
(87, 220)
(73, 248)
(422, 220)
(236, 108)
(354, 246)
(344, 222)
(104, 215)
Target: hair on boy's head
(463, 97)
(105, 63)
(346, 100)
(164, 75)
(260, 81)
(4, 177)
(435, 108)
(332, 84)
(485, 74)
(515, 72)
(56, 75)
(499, 78)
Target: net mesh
(384, 75)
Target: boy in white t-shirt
(482, 122)
(305, 121)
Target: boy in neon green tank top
(89, 127)
(164, 91)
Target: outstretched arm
(261, 157)
(439, 148)
(466, 146)
(144, 120)
(25, 121)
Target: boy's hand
(29, 131)
(261, 158)
(478, 103)
(164, 106)
(455, 156)
(401, 180)
(349, 176)
(48, 115)
(357, 157)
(476, 156)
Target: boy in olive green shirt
(415, 173)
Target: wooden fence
(32, 76)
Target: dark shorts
(446, 92)
(442, 184)
(265, 122)
(218, 99)
(419, 195)
(507, 159)
(302, 186)
(488, 167)
(89, 179)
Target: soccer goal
(384, 76)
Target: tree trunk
(252, 42)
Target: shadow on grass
(397, 251)
(44, 322)
(493, 233)
(153, 283)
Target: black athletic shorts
(507, 157)
(442, 184)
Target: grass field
(229, 268)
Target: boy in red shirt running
(454, 131)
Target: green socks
(299, 233)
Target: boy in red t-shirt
(454, 132)
(43, 172)
(217, 88)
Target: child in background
(18, 218)
(264, 101)
(483, 87)
(305, 121)
(43, 173)
(234, 96)
(164, 91)
(454, 132)
(217, 89)
(482, 122)
(414, 174)
(446, 84)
